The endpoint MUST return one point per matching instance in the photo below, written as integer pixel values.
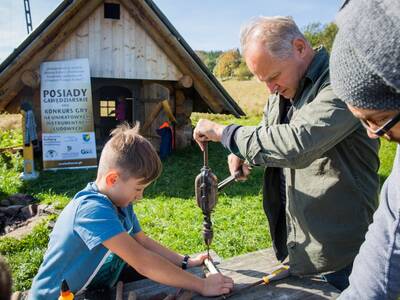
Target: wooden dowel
(210, 266)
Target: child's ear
(111, 178)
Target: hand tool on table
(283, 271)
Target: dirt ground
(10, 121)
(251, 95)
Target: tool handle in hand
(228, 180)
(210, 266)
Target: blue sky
(205, 24)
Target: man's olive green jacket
(330, 166)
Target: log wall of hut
(117, 48)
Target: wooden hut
(134, 54)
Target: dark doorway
(113, 106)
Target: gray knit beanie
(365, 58)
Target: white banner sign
(67, 115)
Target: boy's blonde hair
(131, 154)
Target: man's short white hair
(276, 33)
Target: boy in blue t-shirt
(98, 232)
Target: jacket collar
(318, 65)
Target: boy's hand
(198, 260)
(217, 284)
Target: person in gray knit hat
(365, 73)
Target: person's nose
(272, 87)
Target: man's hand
(217, 284)
(237, 166)
(207, 130)
(198, 260)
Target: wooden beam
(185, 82)
(43, 46)
(31, 78)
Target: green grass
(10, 138)
(386, 155)
(25, 255)
(168, 212)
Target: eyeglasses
(383, 129)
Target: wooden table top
(244, 270)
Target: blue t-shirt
(75, 251)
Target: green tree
(209, 58)
(242, 72)
(318, 34)
(227, 63)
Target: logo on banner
(86, 137)
(86, 151)
(51, 153)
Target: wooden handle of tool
(210, 266)
(277, 274)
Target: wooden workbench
(245, 270)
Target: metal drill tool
(206, 187)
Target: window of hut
(111, 11)
(107, 108)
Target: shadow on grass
(67, 182)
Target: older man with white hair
(321, 182)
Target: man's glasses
(383, 129)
